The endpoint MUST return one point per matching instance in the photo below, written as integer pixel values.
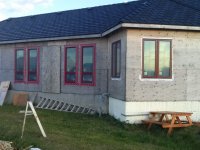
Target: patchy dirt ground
(5, 145)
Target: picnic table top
(171, 112)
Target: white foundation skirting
(134, 112)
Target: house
(124, 59)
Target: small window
(33, 63)
(19, 65)
(71, 65)
(116, 59)
(157, 59)
(88, 65)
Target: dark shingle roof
(96, 20)
(167, 12)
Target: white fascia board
(52, 39)
(151, 26)
(112, 30)
(155, 26)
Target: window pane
(70, 74)
(32, 68)
(87, 78)
(164, 58)
(88, 59)
(149, 58)
(19, 65)
(33, 60)
(71, 78)
(32, 76)
(87, 70)
(20, 60)
(19, 76)
(116, 59)
(71, 59)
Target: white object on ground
(3, 91)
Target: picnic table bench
(168, 119)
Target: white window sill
(154, 79)
(116, 79)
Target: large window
(116, 59)
(88, 64)
(19, 65)
(79, 68)
(71, 76)
(157, 58)
(33, 60)
(27, 65)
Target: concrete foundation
(96, 102)
(134, 112)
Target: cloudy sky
(16, 8)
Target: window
(71, 76)
(27, 73)
(116, 59)
(33, 59)
(19, 65)
(157, 59)
(88, 64)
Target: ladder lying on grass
(63, 106)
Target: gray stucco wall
(51, 82)
(185, 84)
(7, 64)
(117, 86)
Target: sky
(17, 8)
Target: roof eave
(52, 39)
(151, 26)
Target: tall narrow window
(71, 65)
(157, 59)
(88, 65)
(164, 59)
(33, 63)
(149, 58)
(116, 59)
(19, 65)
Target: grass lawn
(69, 131)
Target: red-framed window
(88, 64)
(71, 65)
(19, 65)
(33, 65)
(157, 58)
(116, 59)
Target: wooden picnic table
(170, 120)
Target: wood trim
(114, 48)
(94, 65)
(38, 65)
(157, 44)
(65, 65)
(15, 71)
(143, 76)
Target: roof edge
(52, 39)
(151, 26)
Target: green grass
(69, 131)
